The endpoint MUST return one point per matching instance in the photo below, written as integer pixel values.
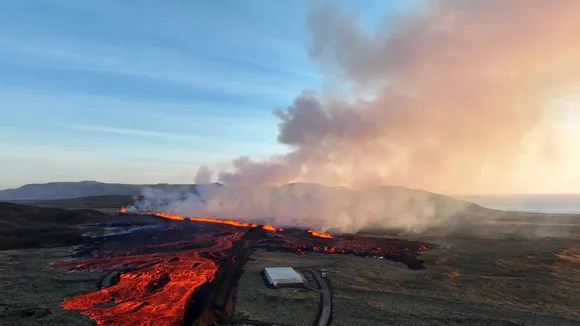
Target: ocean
(565, 204)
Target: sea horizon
(563, 204)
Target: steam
(310, 205)
(458, 99)
(203, 175)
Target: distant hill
(93, 202)
(304, 204)
(24, 226)
(64, 190)
(294, 204)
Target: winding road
(326, 304)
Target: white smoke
(310, 205)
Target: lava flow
(206, 219)
(186, 270)
(320, 234)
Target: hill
(64, 190)
(93, 202)
(295, 204)
(25, 226)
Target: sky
(147, 91)
(141, 91)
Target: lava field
(186, 271)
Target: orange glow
(170, 216)
(123, 210)
(453, 275)
(165, 307)
(320, 234)
(268, 227)
(159, 278)
(155, 293)
(206, 219)
(228, 222)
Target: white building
(280, 276)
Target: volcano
(185, 271)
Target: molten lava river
(185, 271)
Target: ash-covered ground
(473, 281)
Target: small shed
(282, 276)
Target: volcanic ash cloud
(454, 99)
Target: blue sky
(145, 91)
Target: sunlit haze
(457, 97)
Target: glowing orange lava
(162, 268)
(137, 298)
(154, 291)
(123, 210)
(320, 234)
(171, 216)
(268, 227)
(228, 222)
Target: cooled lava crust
(186, 272)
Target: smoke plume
(457, 98)
(310, 205)
(203, 175)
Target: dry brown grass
(474, 282)
(28, 284)
(483, 280)
(289, 306)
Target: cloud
(214, 148)
(134, 132)
(151, 63)
(460, 101)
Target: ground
(108, 204)
(473, 282)
(32, 290)
(26, 226)
(285, 305)
(508, 272)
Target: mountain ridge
(78, 189)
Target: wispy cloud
(68, 155)
(211, 143)
(150, 63)
(167, 119)
(279, 68)
(60, 100)
(196, 87)
(135, 132)
(30, 152)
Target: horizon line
(482, 195)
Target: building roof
(283, 273)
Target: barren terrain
(472, 282)
(32, 290)
(516, 269)
(26, 226)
